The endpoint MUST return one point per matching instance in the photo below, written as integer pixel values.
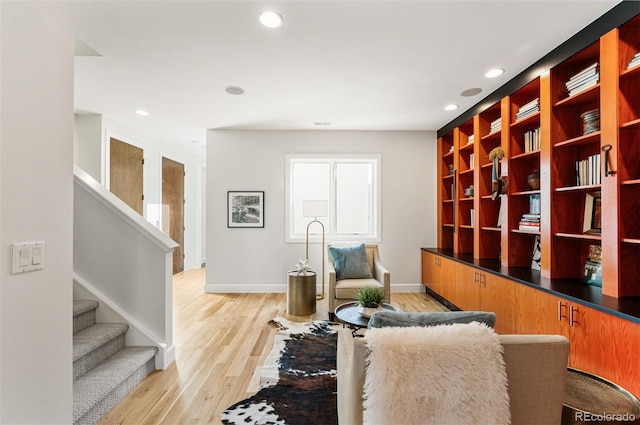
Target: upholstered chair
(349, 273)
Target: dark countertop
(572, 289)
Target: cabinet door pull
(483, 279)
(572, 312)
(560, 315)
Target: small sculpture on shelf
(534, 180)
(498, 183)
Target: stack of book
(530, 222)
(634, 61)
(532, 140)
(586, 78)
(528, 109)
(496, 125)
(588, 171)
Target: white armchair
(344, 290)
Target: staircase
(104, 370)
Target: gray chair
(345, 290)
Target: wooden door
(430, 275)
(125, 173)
(173, 208)
(467, 292)
(446, 278)
(540, 313)
(498, 295)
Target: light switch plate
(23, 257)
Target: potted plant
(370, 299)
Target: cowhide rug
(298, 380)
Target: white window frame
(330, 227)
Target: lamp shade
(315, 208)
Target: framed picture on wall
(245, 209)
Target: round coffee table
(348, 314)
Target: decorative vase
(366, 312)
(534, 180)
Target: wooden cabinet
(438, 273)
(471, 289)
(601, 343)
(477, 290)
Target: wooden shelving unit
(471, 225)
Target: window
(350, 184)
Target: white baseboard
(245, 289)
(407, 287)
(280, 288)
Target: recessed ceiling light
(235, 90)
(271, 19)
(451, 107)
(471, 92)
(492, 73)
(142, 113)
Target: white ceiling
(361, 65)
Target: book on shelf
(583, 80)
(588, 171)
(495, 125)
(531, 224)
(471, 139)
(532, 140)
(528, 108)
(635, 61)
(586, 72)
(593, 266)
(534, 203)
(592, 221)
(472, 158)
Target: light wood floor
(221, 342)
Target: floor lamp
(316, 209)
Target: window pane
(354, 198)
(311, 181)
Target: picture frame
(592, 222)
(245, 209)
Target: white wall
(90, 155)
(36, 187)
(257, 259)
(87, 144)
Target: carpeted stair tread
(95, 336)
(94, 386)
(84, 314)
(82, 306)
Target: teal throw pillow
(383, 318)
(350, 262)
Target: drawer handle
(560, 315)
(572, 312)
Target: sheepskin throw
(450, 374)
